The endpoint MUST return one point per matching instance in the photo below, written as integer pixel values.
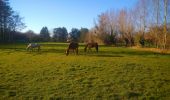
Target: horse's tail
(85, 49)
(97, 47)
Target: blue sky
(64, 13)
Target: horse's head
(28, 47)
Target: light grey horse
(31, 46)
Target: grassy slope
(113, 73)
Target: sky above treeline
(65, 13)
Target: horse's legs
(89, 49)
(97, 48)
(67, 52)
(31, 49)
(77, 51)
(38, 48)
(27, 48)
(85, 49)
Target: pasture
(114, 73)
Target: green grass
(112, 74)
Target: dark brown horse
(72, 46)
(91, 45)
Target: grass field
(112, 74)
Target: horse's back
(91, 45)
(33, 45)
(73, 45)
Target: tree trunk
(165, 23)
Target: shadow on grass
(101, 55)
(11, 50)
(104, 51)
(104, 55)
(110, 53)
(129, 52)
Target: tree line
(11, 24)
(59, 34)
(146, 24)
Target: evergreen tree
(60, 34)
(75, 34)
(83, 33)
(44, 34)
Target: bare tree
(165, 23)
(142, 10)
(148, 19)
(126, 26)
(156, 10)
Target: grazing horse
(31, 46)
(72, 46)
(91, 45)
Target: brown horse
(91, 45)
(72, 46)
